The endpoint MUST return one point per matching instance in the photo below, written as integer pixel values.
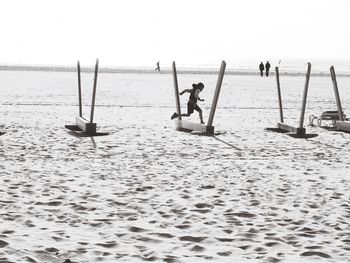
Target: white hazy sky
(193, 32)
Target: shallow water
(149, 193)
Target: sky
(191, 32)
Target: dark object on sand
(295, 132)
(84, 126)
(188, 126)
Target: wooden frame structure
(83, 125)
(332, 116)
(300, 131)
(339, 121)
(188, 126)
(342, 124)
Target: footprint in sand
(108, 244)
(197, 248)
(3, 243)
(192, 239)
(315, 253)
(136, 229)
(203, 205)
(224, 253)
(244, 214)
(272, 260)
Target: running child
(192, 102)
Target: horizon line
(151, 70)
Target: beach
(148, 193)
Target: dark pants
(191, 106)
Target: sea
(320, 67)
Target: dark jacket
(261, 66)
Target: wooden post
(306, 86)
(336, 92)
(94, 93)
(79, 90)
(279, 94)
(217, 93)
(176, 88)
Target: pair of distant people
(266, 67)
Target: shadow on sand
(80, 134)
(298, 136)
(216, 138)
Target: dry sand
(149, 193)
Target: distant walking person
(158, 67)
(261, 68)
(192, 102)
(267, 67)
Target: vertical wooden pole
(217, 93)
(94, 93)
(279, 94)
(79, 90)
(306, 87)
(176, 88)
(336, 92)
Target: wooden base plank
(291, 131)
(295, 130)
(85, 125)
(73, 128)
(343, 126)
(76, 131)
(84, 128)
(275, 129)
(182, 125)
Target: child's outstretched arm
(185, 90)
(200, 99)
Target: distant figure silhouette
(267, 67)
(192, 102)
(158, 67)
(261, 68)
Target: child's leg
(200, 113)
(190, 108)
(201, 117)
(175, 115)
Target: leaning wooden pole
(176, 88)
(217, 93)
(336, 92)
(306, 87)
(94, 93)
(79, 90)
(279, 94)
